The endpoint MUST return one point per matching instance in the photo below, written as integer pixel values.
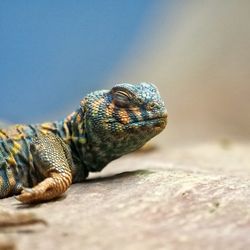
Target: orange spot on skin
(138, 114)
(110, 109)
(123, 114)
(96, 105)
(78, 118)
(70, 116)
(47, 127)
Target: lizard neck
(70, 129)
(88, 146)
(73, 127)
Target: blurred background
(196, 52)
(53, 53)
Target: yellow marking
(66, 131)
(12, 181)
(70, 116)
(12, 132)
(78, 118)
(95, 106)
(80, 128)
(83, 102)
(123, 114)
(82, 140)
(47, 128)
(11, 160)
(110, 109)
(47, 125)
(15, 132)
(138, 114)
(1, 182)
(3, 135)
(16, 148)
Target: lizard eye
(152, 105)
(121, 99)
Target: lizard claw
(27, 196)
(31, 195)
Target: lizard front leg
(53, 159)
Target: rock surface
(184, 198)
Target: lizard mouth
(156, 123)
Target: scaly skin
(39, 162)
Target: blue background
(53, 52)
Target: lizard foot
(50, 188)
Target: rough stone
(184, 198)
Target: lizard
(39, 162)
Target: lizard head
(127, 116)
